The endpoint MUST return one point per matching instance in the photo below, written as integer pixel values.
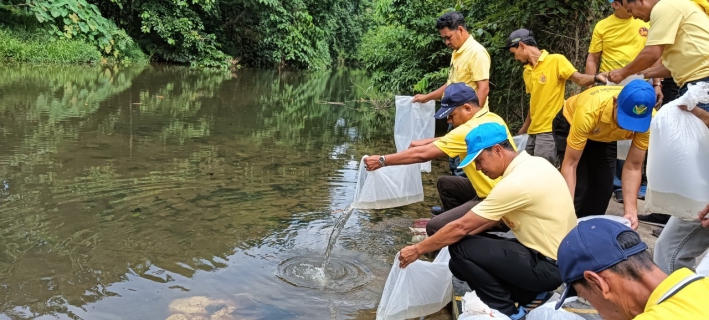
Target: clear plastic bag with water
(388, 187)
(520, 141)
(414, 121)
(677, 170)
(420, 289)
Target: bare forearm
(701, 114)
(583, 80)
(482, 94)
(645, 59)
(657, 71)
(569, 174)
(449, 234)
(592, 63)
(438, 94)
(411, 155)
(632, 177)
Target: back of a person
(619, 41)
(687, 303)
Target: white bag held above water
(521, 141)
(388, 187)
(677, 169)
(414, 121)
(420, 289)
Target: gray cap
(520, 35)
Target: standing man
(470, 62)
(532, 200)
(588, 127)
(545, 78)
(460, 105)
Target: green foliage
(18, 46)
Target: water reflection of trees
(120, 172)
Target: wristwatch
(382, 161)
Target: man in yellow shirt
(532, 200)
(460, 105)
(607, 264)
(588, 127)
(470, 62)
(545, 78)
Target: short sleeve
(581, 127)
(564, 67)
(527, 77)
(453, 143)
(504, 198)
(665, 20)
(596, 40)
(641, 140)
(479, 65)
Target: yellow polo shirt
(618, 40)
(469, 64)
(592, 117)
(546, 84)
(534, 201)
(688, 303)
(683, 28)
(453, 144)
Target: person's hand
(372, 163)
(417, 143)
(659, 95)
(421, 98)
(601, 77)
(702, 217)
(633, 218)
(408, 255)
(616, 76)
(522, 130)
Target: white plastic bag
(420, 289)
(414, 121)
(388, 187)
(623, 148)
(609, 217)
(475, 309)
(521, 141)
(626, 80)
(547, 312)
(677, 169)
(703, 267)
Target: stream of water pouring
(339, 225)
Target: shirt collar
(521, 157)
(666, 285)
(541, 58)
(467, 44)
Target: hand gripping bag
(414, 121)
(677, 168)
(420, 289)
(388, 187)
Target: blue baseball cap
(635, 104)
(483, 136)
(591, 246)
(456, 95)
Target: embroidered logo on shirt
(596, 131)
(643, 31)
(508, 222)
(639, 110)
(543, 79)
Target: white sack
(388, 187)
(414, 121)
(703, 267)
(521, 141)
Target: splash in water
(339, 225)
(340, 276)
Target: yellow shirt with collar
(683, 28)
(469, 64)
(688, 303)
(546, 84)
(592, 117)
(618, 40)
(532, 198)
(453, 144)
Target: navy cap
(520, 35)
(456, 95)
(483, 136)
(591, 246)
(635, 104)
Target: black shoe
(656, 232)
(618, 194)
(436, 210)
(654, 218)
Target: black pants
(594, 173)
(502, 271)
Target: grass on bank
(35, 47)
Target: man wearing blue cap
(460, 105)
(532, 199)
(606, 263)
(586, 131)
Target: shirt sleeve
(479, 65)
(664, 24)
(453, 143)
(596, 40)
(581, 127)
(565, 68)
(527, 77)
(504, 198)
(641, 140)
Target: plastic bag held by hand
(420, 289)
(677, 169)
(414, 121)
(388, 187)
(520, 141)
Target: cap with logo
(483, 136)
(591, 246)
(518, 36)
(456, 95)
(635, 104)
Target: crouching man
(532, 199)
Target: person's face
(520, 53)
(638, 9)
(490, 162)
(619, 9)
(605, 294)
(453, 38)
(460, 115)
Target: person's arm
(482, 91)
(584, 80)
(408, 156)
(657, 71)
(422, 142)
(434, 95)
(525, 125)
(699, 113)
(645, 59)
(632, 177)
(451, 233)
(568, 168)
(592, 61)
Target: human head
(604, 262)
(459, 104)
(619, 10)
(520, 43)
(452, 28)
(640, 9)
(488, 145)
(634, 106)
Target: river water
(166, 192)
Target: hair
(475, 101)
(629, 1)
(504, 144)
(636, 264)
(451, 20)
(529, 42)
